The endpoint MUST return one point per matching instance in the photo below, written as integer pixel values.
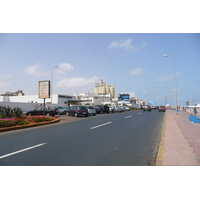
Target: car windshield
(82, 107)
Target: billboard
(44, 89)
(123, 97)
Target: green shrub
(17, 112)
(6, 111)
(21, 122)
(10, 112)
(7, 122)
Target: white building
(93, 99)
(56, 99)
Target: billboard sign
(44, 89)
(123, 97)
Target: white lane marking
(128, 116)
(101, 125)
(10, 154)
(139, 113)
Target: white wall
(24, 106)
(35, 99)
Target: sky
(132, 62)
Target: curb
(161, 148)
(28, 126)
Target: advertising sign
(44, 89)
(123, 97)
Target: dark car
(61, 110)
(49, 111)
(98, 109)
(104, 109)
(77, 111)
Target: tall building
(104, 89)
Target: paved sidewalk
(180, 141)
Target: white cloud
(142, 46)
(136, 71)
(165, 78)
(76, 82)
(4, 84)
(5, 76)
(35, 70)
(122, 44)
(64, 67)
(127, 44)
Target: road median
(12, 128)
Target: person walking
(195, 110)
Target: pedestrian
(195, 110)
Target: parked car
(162, 108)
(98, 109)
(127, 109)
(61, 110)
(122, 108)
(77, 111)
(104, 109)
(67, 108)
(146, 108)
(112, 109)
(91, 110)
(49, 111)
(118, 109)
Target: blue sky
(133, 62)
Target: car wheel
(76, 114)
(86, 115)
(94, 114)
(67, 113)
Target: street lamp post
(52, 83)
(174, 79)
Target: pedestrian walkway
(180, 141)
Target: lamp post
(52, 83)
(174, 79)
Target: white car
(91, 110)
(127, 109)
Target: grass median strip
(101, 125)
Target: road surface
(122, 139)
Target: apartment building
(104, 89)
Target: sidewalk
(180, 141)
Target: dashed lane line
(127, 116)
(101, 125)
(10, 154)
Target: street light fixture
(174, 79)
(52, 83)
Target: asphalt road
(121, 139)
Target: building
(17, 93)
(105, 90)
(56, 99)
(93, 99)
